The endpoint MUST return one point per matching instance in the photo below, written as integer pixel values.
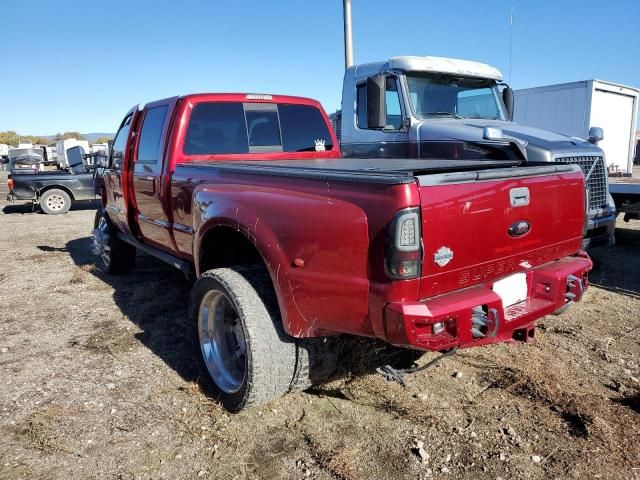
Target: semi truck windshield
(434, 95)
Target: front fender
(315, 249)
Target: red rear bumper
(446, 321)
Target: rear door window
(149, 147)
(304, 129)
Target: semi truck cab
(443, 108)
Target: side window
(263, 127)
(216, 128)
(392, 100)
(362, 105)
(119, 144)
(303, 129)
(394, 113)
(151, 135)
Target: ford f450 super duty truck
(289, 242)
(433, 107)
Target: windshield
(438, 95)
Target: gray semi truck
(437, 108)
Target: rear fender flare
(224, 214)
(287, 226)
(42, 190)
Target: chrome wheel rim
(222, 341)
(101, 241)
(55, 202)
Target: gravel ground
(100, 379)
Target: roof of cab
(249, 97)
(445, 65)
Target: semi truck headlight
(403, 254)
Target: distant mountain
(90, 137)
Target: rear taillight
(10, 184)
(403, 256)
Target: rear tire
(114, 255)
(249, 356)
(55, 202)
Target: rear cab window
(226, 128)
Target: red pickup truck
(288, 241)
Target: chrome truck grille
(596, 178)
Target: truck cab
(442, 108)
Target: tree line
(13, 139)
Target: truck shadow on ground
(616, 268)
(29, 208)
(155, 297)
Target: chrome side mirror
(596, 134)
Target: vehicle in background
(62, 146)
(4, 156)
(26, 160)
(626, 194)
(578, 108)
(574, 108)
(54, 191)
(291, 244)
(435, 108)
(97, 147)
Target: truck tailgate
(482, 226)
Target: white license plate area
(512, 289)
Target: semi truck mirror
(376, 104)
(596, 134)
(507, 98)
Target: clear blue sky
(80, 65)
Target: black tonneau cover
(375, 170)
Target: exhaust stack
(348, 35)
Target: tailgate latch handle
(519, 197)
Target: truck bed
(374, 170)
(27, 185)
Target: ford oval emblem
(519, 228)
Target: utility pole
(348, 35)
(510, 41)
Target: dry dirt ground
(99, 378)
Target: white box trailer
(63, 145)
(573, 108)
